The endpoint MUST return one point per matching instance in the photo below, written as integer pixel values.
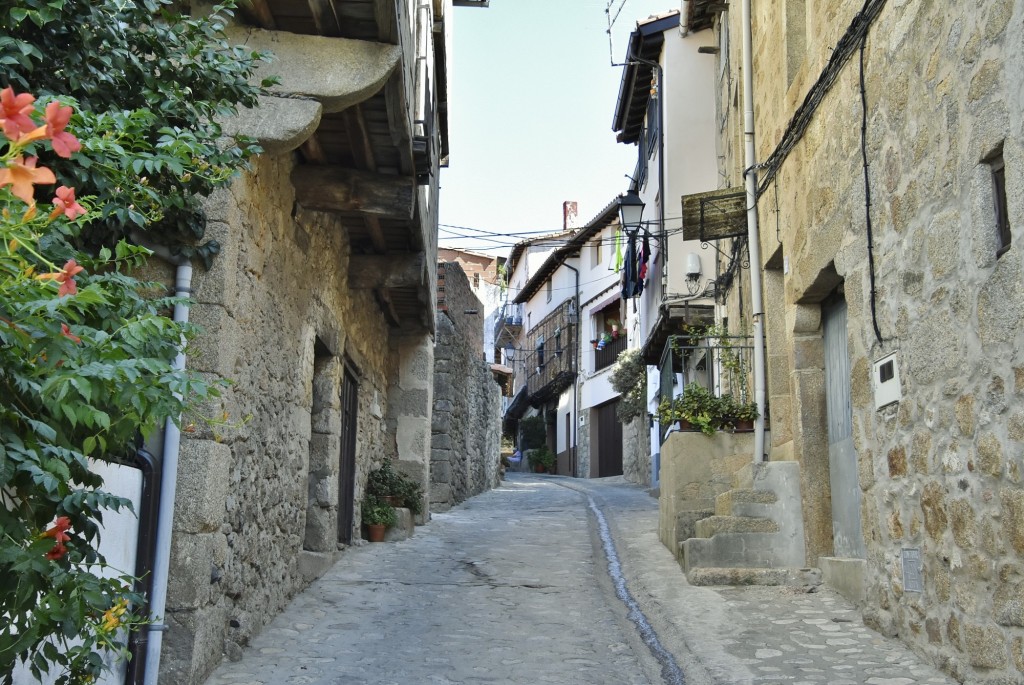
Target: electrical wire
(867, 185)
(797, 127)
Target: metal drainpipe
(576, 376)
(753, 243)
(148, 514)
(684, 19)
(168, 487)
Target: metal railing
(723, 364)
(508, 324)
(606, 356)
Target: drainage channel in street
(670, 671)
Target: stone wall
(278, 320)
(696, 468)
(583, 461)
(466, 427)
(636, 451)
(942, 471)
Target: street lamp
(631, 208)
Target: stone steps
(747, 502)
(791, 577)
(717, 525)
(756, 534)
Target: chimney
(569, 213)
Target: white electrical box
(886, 381)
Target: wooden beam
(387, 21)
(335, 189)
(359, 138)
(399, 122)
(362, 155)
(259, 11)
(312, 151)
(376, 234)
(325, 18)
(386, 271)
(388, 307)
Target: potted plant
(740, 414)
(378, 516)
(395, 488)
(701, 408)
(542, 460)
(671, 411)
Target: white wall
(601, 287)
(691, 166)
(118, 543)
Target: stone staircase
(756, 534)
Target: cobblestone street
(513, 587)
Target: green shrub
(377, 512)
(533, 432)
(387, 482)
(629, 379)
(542, 456)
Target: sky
(532, 92)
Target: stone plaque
(912, 581)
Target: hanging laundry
(645, 256)
(618, 250)
(629, 277)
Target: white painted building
(668, 112)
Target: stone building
(890, 143)
(466, 440)
(485, 273)
(319, 309)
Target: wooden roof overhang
(605, 217)
(360, 162)
(644, 49)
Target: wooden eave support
(335, 189)
(386, 271)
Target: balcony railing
(603, 358)
(508, 325)
(723, 364)
(552, 366)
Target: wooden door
(347, 461)
(609, 441)
(847, 536)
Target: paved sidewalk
(513, 587)
(750, 635)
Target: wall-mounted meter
(886, 381)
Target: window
(652, 126)
(995, 163)
(548, 290)
(540, 353)
(476, 281)
(597, 250)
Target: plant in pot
(542, 460)
(378, 516)
(395, 488)
(671, 411)
(701, 408)
(741, 414)
(383, 483)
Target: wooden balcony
(604, 358)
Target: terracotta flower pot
(743, 425)
(376, 532)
